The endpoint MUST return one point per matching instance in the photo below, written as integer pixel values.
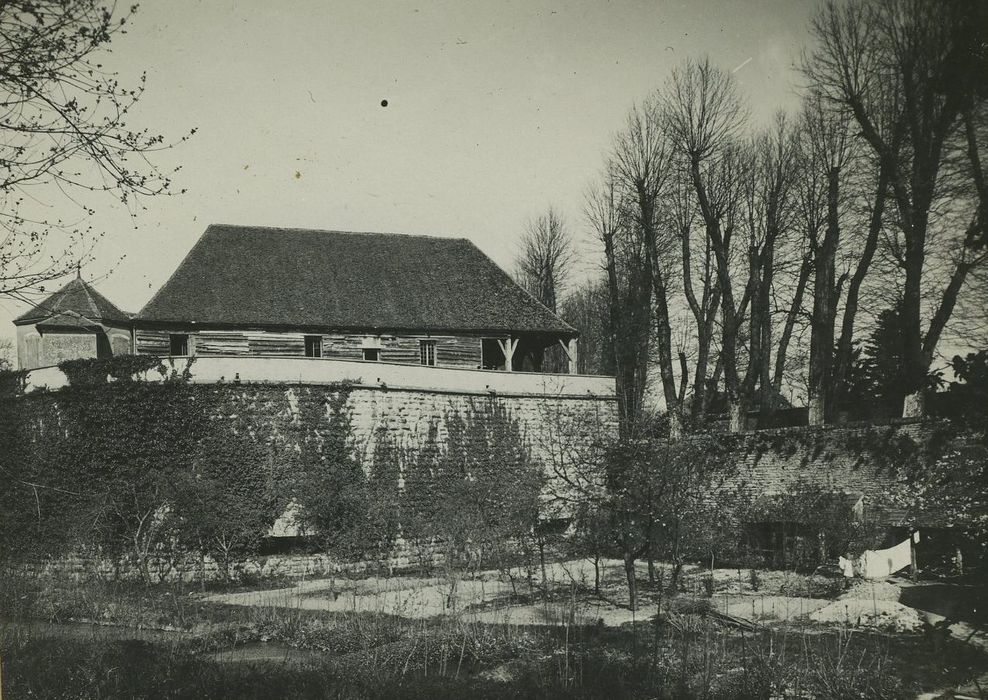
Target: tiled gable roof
(254, 276)
(77, 298)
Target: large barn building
(274, 292)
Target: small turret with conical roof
(75, 322)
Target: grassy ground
(447, 660)
(687, 651)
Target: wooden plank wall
(220, 343)
(458, 352)
(151, 342)
(281, 344)
(451, 351)
(343, 347)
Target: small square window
(178, 345)
(427, 352)
(313, 346)
(372, 354)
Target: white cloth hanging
(879, 563)
(885, 562)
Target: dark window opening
(103, 349)
(372, 354)
(178, 345)
(427, 352)
(313, 346)
(492, 356)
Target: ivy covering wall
(150, 469)
(119, 468)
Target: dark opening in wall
(492, 356)
(313, 346)
(103, 349)
(178, 345)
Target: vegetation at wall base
(477, 490)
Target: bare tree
(701, 289)
(545, 258)
(704, 115)
(585, 308)
(641, 162)
(628, 296)
(825, 153)
(66, 131)
(770, 213)
(905, 71)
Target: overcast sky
(494, 111)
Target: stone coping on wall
(720, 427)
(376, 375)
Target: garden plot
(405, 597)
(513, 596)
(487, 596)
(878, 614)
(503, 637)
(765, 608)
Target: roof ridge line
(93, 306)
(252, 227)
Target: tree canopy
(67, 136)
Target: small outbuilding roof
(69, 320)
(258, 276)
(76, 300)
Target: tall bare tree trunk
(729, 317)
(824, 308)
(704, 310)
(630, 577)
(763, 327)
(845, 343)
(790, 323)
(656, 281)
(664, 346)
(624, 373)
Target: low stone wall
(859, 459)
